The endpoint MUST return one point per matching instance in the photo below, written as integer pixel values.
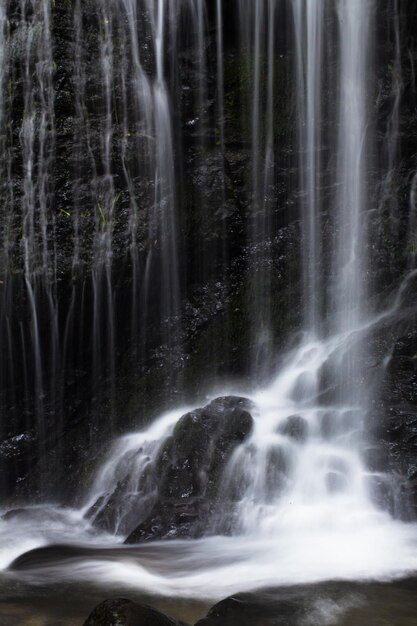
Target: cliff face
(150, 247)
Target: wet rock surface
(393, 427)
(296, 428)
(249, 609)
(16, 454)
(189, 468)
(122, 612)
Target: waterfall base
(60, 587)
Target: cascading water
(319, 481)
(313, 486)
(296, 501)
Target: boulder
(334, 602)
(122, 612)
(189, 467)
(295, 427)
(248, 609)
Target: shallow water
(184, 578)
(325, 604)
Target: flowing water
(302, 509)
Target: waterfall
(303, 467)
(198, 195)
(322, 476)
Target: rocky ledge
(189, 468)
(186, 474)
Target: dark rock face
(394, 429)
(15, 456)
(189, 468)
(122, 612)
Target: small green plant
(102, 215)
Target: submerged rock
(248, 609)
(122, 612)
(295, 427)
(189, 468)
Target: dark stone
(393, 426)
(250, 609)
(295, 427)
(189, 467)
(122, 612)
(45, 555)
(16, 456)
(16, 446)
(106, 518)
